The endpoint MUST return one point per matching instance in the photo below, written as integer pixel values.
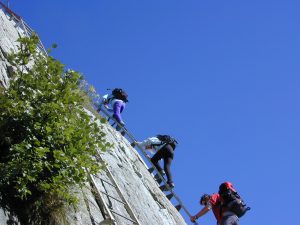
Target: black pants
(230, 220)
(166, 153)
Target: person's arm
(200, 213)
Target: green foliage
(47, 141)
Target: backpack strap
(160, 146)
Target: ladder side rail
(24, 28)
(9, 11)
(108, 195)
(40, 44)
(105, 181)
(145, 154)
(127, 206)
(124, 217)
(28, 31)
(129, 135)
(111, 217)
(169, 189)
(110, 211)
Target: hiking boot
(171, 184)
(132, 144)
(118, 128)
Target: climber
(227, 205)
(210, 202)
(115, 102)
(163, 146)
(232, 205)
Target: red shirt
(215, 201)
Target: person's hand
(193, 218)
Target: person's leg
(117, 109)
(167, 167)
(158, 156)
(230, 220)
(168, 158)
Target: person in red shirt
(228, 217)
(210, 202)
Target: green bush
(47, 140)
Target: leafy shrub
(47, 140)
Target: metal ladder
(165, 187)
(109, 212)
(21, 23)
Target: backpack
(231, 200)
(167, 139)
(119, 93)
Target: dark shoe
(171, 184)
(132, 144)
(161, 173)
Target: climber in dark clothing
(162, 146)
(167, 154)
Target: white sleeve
(150, 141)
(209, 206)
(105, 96)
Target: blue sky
(220, 76)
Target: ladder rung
(108, 182)
(158, 180)
(151, 169)
(123, 216)
(163, 188)
(178, 207)
(169, 196)
(157, 176)
(113, 198)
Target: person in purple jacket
(116, 103)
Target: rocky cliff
(148, 203)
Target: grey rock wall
(149, 204)
(9, 33)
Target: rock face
(9, 33)
(148, 203)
